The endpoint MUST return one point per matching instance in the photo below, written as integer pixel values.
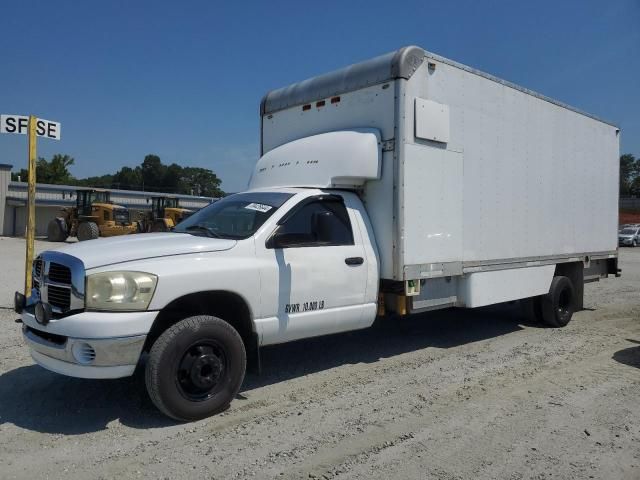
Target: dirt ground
(451, 395)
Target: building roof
(64, 195)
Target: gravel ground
(458, 394)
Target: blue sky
(184, 79)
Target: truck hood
(125, 248)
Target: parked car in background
(629, 236)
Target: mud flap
(254, 364)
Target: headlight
(120, 290)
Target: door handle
(354, 261)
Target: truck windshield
(235, 217)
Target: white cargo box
(470, 172)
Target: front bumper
(80, 352)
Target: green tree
(20, 176)
(128, 178)
(629, 171)
(43, 174)
(201, 181)
(102, 181)
(172, 181)
(151, 175)
(55, 171)
(634, 188)
(58, 169)
(153, 172)
(43, 171)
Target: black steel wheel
(202, 369)
(196, 368)
(559, 304)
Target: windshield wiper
(201, 228)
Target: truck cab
(285, 228)
(261, 267)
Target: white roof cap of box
(345, 158)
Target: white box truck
(402, 184)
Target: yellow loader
(165, 214)
(93, 216)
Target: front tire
(195, 368)
(559, 304)
(88, 231)
(57, 230)
(159, 226)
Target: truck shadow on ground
(629, 356)
(36, 399)
(388, 337)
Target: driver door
(315, 277)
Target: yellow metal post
(31, 206)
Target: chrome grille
(59, 297)
(59, 273)
(58, 279)
(37, 265)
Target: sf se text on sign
(20, 124)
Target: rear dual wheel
(556, 308)
(195, 368)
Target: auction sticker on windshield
(259, 207)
